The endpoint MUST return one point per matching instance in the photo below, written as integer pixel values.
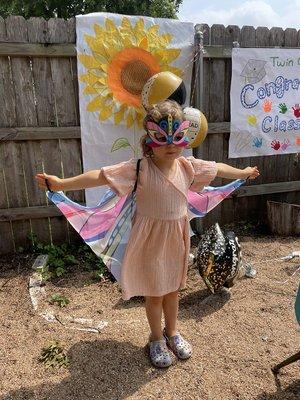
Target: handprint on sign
(283, 108)
(257, 142)
(242, 140)
(251, 119)
(285, 144)
(267, 106)
(296, 110)
(275, 144)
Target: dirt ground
(236, 335)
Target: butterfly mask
(167, 131)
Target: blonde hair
(156, 113)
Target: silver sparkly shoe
(159, 353)
(180, 347)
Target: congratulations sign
(265, 102)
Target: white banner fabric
(265, 102)
(116, 55)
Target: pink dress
(156, 258)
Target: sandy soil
(237, 336)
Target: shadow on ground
(200, 304)
(291, 392)
(137, 301)
(105, 369)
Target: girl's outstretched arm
(87, 180)
(226, 171)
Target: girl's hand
(54, 182)
(251, 172)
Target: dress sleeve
(204, 173)
(121, 177)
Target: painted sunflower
(122, 59)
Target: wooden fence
(40, 129)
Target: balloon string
(266, 261)
(282, 282)
(198, 52)
(194, 56)
(194, 86)
(278, 259)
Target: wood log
(284, 218)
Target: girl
(156, 258)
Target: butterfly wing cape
(106, 227)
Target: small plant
(46, 274)
(54, 356)
(92, 262)
(35, 247)
(60, 300)
(20, 250)
(62, 257)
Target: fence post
(198, 99)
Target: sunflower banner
(116, 56)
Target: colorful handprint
(285, 144)
(296, 110)
(283, 108)
(275, 144)
(257, 142)
(251, 119)
(267, 106)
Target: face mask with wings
(167, 131)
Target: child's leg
(170, 309)
(180, 347)
(154, 314)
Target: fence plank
(292, 164)
(62, 31)
(73, 61)
(267, 188)
(216, 111)
(61, 75)
(6, 233)
(52, 164)
(202, 150)
(7, 118)
(37, 50)
(232, 34)
(21, 76)
(42, 132)
(31, 150)
(71, 149)
(33, 212)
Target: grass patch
(54, 356)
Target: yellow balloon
(163, 86)
(198, 126)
